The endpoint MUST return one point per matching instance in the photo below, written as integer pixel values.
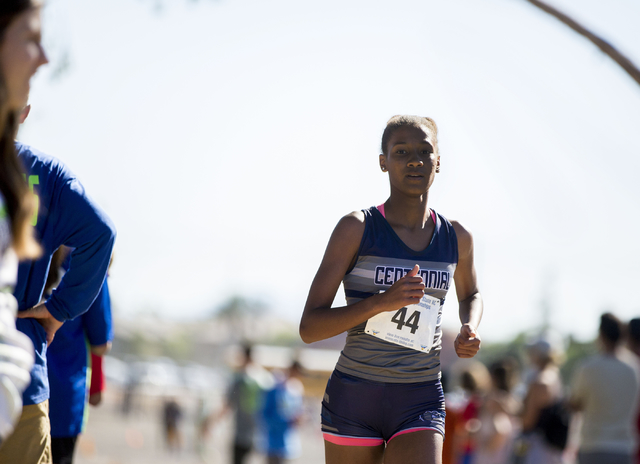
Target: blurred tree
(598, 41)
(158, 5)
(576, 353)
(141, 345)
(516, 348)
(239, 307)
(178, 347)
(243, 317)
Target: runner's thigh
(420, 447)
(339, 454)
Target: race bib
(413, 326)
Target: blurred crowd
(266, 408)
(514, 412)
(511, 410)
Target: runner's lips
(415, 175)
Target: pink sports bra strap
(381, 209)
(433, 216)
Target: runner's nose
(414, 160)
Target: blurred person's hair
(633, 331)
(504, 374)
(475, 378)
(398, 121)
(247, 351)
(611, 329)
(546, 349)
(296, 369)
(18, 200)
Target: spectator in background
(454, 404)
(499, 424)
(475, 381)
(97, 383)
(281, 414)
(171, 417)
(244, 399)
(66, 216)
(21, 54)
(605, 389)
(67, 364)
(634, 336)
(634, 346)
(544, 393)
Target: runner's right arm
(319, 320)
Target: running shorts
(361, 412)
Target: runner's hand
(41, 314)
(467, 343)
(405, 291)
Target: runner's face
(411, 160)
(21, 54)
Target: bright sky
(226, 139)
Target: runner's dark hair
(399, 121)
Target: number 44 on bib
(413, 326)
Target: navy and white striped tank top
(382, 259)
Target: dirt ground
(112, 437)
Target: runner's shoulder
(350, 228)
(465, 239)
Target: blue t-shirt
(66, 215)
(281, 409)
(68, 365)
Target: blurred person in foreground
(281, 414)
(499, 423)
(68, 366)
(540, 443)
(244, 399)
(605, 390)
(634, 347)
(66, 215)
(21, 54)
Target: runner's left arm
(467, 343)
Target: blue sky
(226, 138)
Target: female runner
(384, 401)
(20, 55)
